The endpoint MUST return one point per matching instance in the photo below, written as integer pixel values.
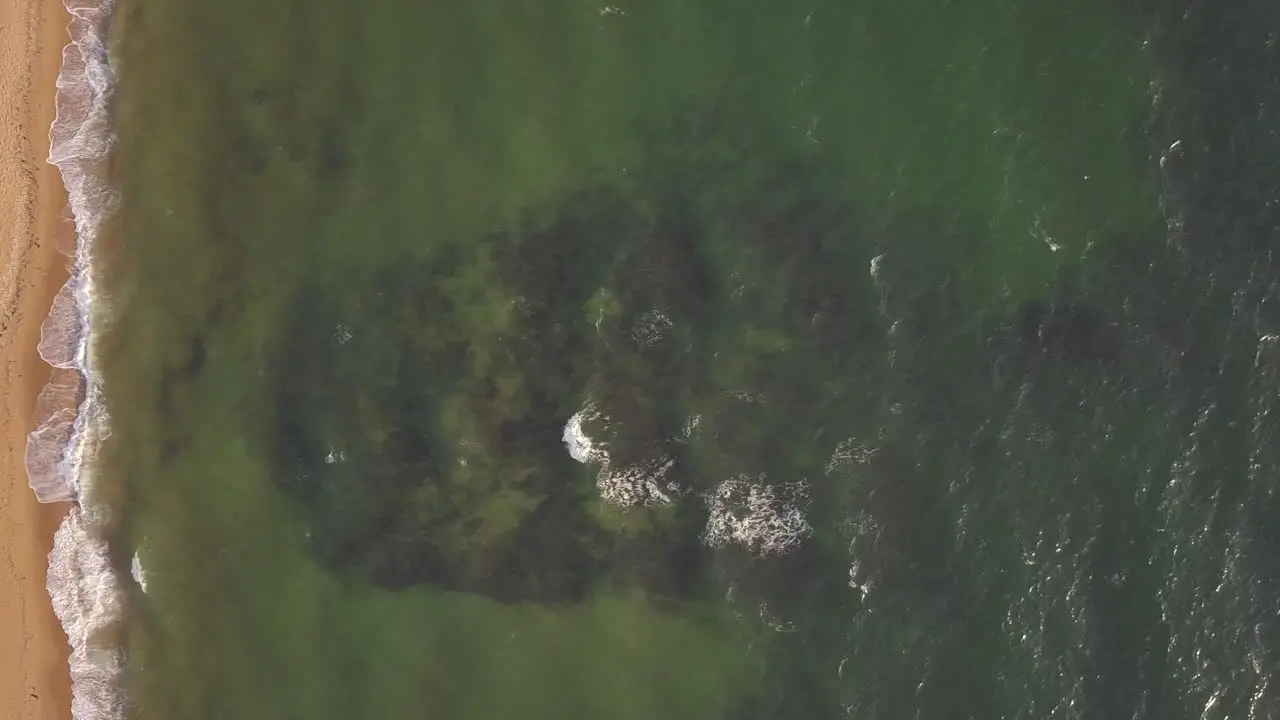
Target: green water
(403, 168)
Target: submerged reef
(421, 413)
(421, 416)
(422, 448)
(631, 389)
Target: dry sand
(34, 681)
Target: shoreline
(34, 673)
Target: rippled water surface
(695, 359)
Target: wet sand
(34, 222)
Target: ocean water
(677, 359)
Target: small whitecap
(651, 328)
(580, 447)
(138, 573)
(747, 397)
(874, 268)
(643, 483)
(850, 452)
(689, 428)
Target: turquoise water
(684, 360)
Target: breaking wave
(766, 519)
(639, 484)
(71, 420)
(87, 599)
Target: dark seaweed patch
(1069, 331)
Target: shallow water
(692, 360)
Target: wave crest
(87, 599)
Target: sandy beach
(34, 680)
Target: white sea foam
(87, 599)
(850, 452)
(71, 418)
(765, 519)
(651, 328)
(342, 334)
(137, 572)
(576, 441)
(626, 485)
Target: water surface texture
(694, 359)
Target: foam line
(71, 418)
